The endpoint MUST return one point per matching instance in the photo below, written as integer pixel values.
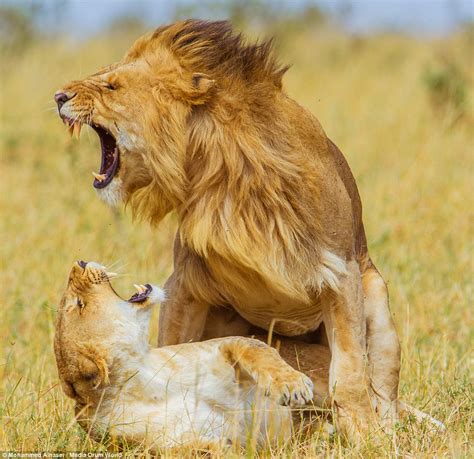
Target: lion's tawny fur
(270, 219)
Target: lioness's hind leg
(382, 344)
(265, 366)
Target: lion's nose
(61, 98)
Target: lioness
(270, 235)
(193, 395)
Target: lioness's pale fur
(270, 219)
(196, 394)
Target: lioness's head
(91, 304)
(96, 328)
(144, 108)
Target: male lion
(270, 235)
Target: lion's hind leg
(383, 346)
(264, 365)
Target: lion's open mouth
(110, 161)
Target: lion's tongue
(110, 163)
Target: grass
(413, 164)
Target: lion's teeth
(99, 177)
(77, 129)
(110, 274)
(71, 129)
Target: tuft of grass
(414, 172)
(447, 88)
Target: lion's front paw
(288, 387)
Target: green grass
(413, 164)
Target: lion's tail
(406, 409)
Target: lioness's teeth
(99, 177)
(110, 274)
(140, 288)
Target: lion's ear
(201, 86)
(202, 83)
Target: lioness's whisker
(115, 263)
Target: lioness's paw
(290, 388)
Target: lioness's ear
(93, 365)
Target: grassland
(414, 166)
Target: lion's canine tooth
(77, 129)
(99, 177)
(110, 274)
(71, 129)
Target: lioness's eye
(80, 303)
(110, 86)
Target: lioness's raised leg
(344, 319)
(268, 369)
(311, 359)
(383, 345)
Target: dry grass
(414, 169)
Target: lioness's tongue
(142, 293)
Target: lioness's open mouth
(142, 294)
(110, 160)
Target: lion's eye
(110, 86)
(80, 303)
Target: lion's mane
(237, 161)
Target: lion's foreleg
(383, 346)
(344, 319)
(182, 319)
